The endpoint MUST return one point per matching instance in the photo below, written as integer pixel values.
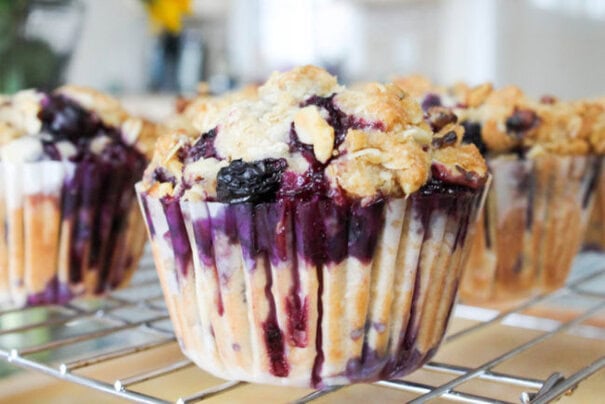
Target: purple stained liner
(597, 167)
(95, 200)
(270, 219)
(538, 185)
(274, 337)
(322, 233)
(55, 292)
(177, 234)
(96, 203)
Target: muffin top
(302, 135)
(70, 124)
(191, 113)
(506, 120)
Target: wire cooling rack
(70, 341)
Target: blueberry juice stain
(96, 199)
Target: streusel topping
(304, 135)
(593, 123)
(68, 124)
(506, 120)
(195, 114)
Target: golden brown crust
(472, 96)
(387, 148)
(19, 116)
(392, 164)
(593, 123)
(385, 104)
(511, 121)
(298, 84)
(417, 85)
(200, 114)
(462, 164)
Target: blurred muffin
(312, 235)
(69, 161)
(593, 113)
(544, 169)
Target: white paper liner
(533, 225)
(37, 236)
(379, 319)
(595, 232)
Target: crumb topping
(69, 124)
(200, 114)
(303, 135)
(505, 120)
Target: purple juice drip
(366, 224)
(296, 308)
(83, 227)
(322, 230)
(298, 315)
(316, 380)
(178, 235)
(270, 220)
(464, 213)
(274, 338)
(102, 215)
(147, 211)
(595, 175)
(114, 266)
(96, 201)
(531, 196)
(202, 231)
(487, 225)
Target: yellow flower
(168, 14)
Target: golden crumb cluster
(19, 116)
(195, 114)
(512, 121)
(369, 140)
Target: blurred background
(168, 46)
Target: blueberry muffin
(312, 235)
(593, 113)
(543, 160)
(69, 161)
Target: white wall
(551, 46)
(112, 53)
(551, 49)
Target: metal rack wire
(45, 340)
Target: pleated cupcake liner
(532, 227)
(595, 231)
(311, 293)
(70, 230)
